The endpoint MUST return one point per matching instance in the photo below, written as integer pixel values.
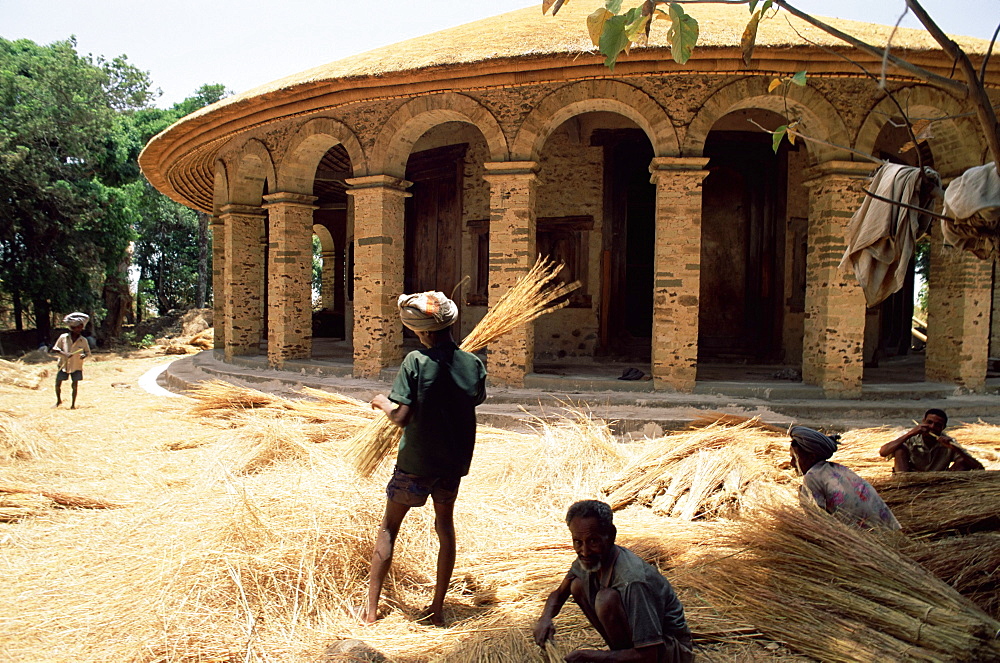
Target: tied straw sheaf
(532, 296)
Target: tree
(57, 236)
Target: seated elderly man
(925, 448)
(626, 600)
(832, 486)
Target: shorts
(413, 490)
(62, 375)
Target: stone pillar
(218, 282)
(995, 316)
(513, 185)
(243, 296)
(834, 334)
(328, 283)
(959, 298)
(289, 287)
(677, 268)
(378, 271)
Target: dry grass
(254, 544)
(708, 472)
(17, 442)
(934, 504)
(23, 375)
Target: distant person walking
(72, 348)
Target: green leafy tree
(58, 233)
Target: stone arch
(817, 116)
(956, 143)
(594, 95)
(252, 168)
(220, 187)
(314, 138)
(412, 119)
(325, 237)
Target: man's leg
(72, 404)
(58, 391)
(611, 614)
(382, 555)
(444, 525)
(579, 593)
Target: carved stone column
(677, 270)
(959, 298)
(378, 271)
(289, 288)
(834, 334)
(513, 186)
(243, 281)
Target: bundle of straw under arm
(529, 298)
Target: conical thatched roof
(515, 45)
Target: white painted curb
(148, 382)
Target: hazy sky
(244, 43)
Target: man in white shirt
(72, 349)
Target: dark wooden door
(433, 221)
(742, 248)
(626, 315)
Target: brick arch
(220, 187)
(818, 117)
(252, 167)
(589, 96)
(413, 119)
(297, 167)
(325, 237)
(956, 143)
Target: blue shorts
(413, 490)
(63, 375)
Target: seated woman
(832, 486)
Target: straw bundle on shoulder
(700, 473)
(533, 295)
(835, 592)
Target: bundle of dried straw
(532, 296)
(936, 504)
(836, 593)
(702, 473)
(20, 374)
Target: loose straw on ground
(532, 296)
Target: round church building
(703, 254)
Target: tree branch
(986, 58)
(984, 107)
(915, 208)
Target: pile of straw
(970, 564)
(19, 374)
(17, 442)
(935, 504)
(533, 295)
(836, 593)
(67, 500)
(709, 472)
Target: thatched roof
(518, 44)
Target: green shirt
(442, 385)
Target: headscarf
(814, 442)
(427, 311)
(74, 319)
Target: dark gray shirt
(653, 609)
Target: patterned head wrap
(74, 319)
(814, 442)
(427, 311)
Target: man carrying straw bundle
(72, 349)
(833, 487)
(925, 448)
(626, 600)
(433, 399)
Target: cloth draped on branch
(882, 237)
(972, 201)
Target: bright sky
(244, 43)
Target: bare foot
(58, 403)
(361, 614)
(431, 617)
